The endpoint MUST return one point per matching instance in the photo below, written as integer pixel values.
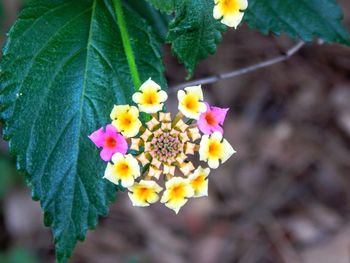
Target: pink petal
(122, 145)
(111, 130)
(97, 137)
(107, 153)
(219, 113)
(217, 128)
(203, 125)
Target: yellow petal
(199, 182)
(124, 169)
(144, 193)
(119, 110)
(178, 190)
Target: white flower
(213, 148)
(124, 168)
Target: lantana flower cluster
(153, 161)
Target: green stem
(126, 43)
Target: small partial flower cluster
(230, 12)
(163, 146)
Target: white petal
(129, 181)
(163, 96)
(213, 163)
(109, 174)
(233, 20)
(197, 90)
(189, 114)
(189, 190)
(176, 205)
(203, 190)
(151, 109)
(134, 111)
(117, 157)
(217, 12)
(228, 151)
(153, 199)
(243, 4)
(137, 97)
(202, 107)
(165, 197)
(118, 110)
(216, 136)
(203, 148)
(180, 95)
(149, 84)
(134, 165)
(136, 202)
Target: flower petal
(107, 153)
(122, 145)
(228, 151)
(97, 137)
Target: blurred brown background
(283, 198)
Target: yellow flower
(199, 181)
(144, 193)
(230, 11)
(191, 102)
(151, 98)
(125, 169)
(126, 120)
(177, 191)
(214, 148)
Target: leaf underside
(63, 69)
(305, 19)
(166, 6)
(194, 33)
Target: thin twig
(208, 80)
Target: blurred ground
(283, 198)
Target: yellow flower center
(177, 192)
(229, 6)
(150, 97)
(215, 149)
(198, 182)
(191, 103)
(122, 169)
(126, 120)
(143, 193)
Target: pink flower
(110, 140)
(212, 120)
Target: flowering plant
(162, 147)
(71, 66)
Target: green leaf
(304, 19)
(166, 6)
(157, 20)
(63, 69)
(194, 33)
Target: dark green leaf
(166, 6)
(305, 19)
(157, 20)
(63, 69)
(194, 33)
